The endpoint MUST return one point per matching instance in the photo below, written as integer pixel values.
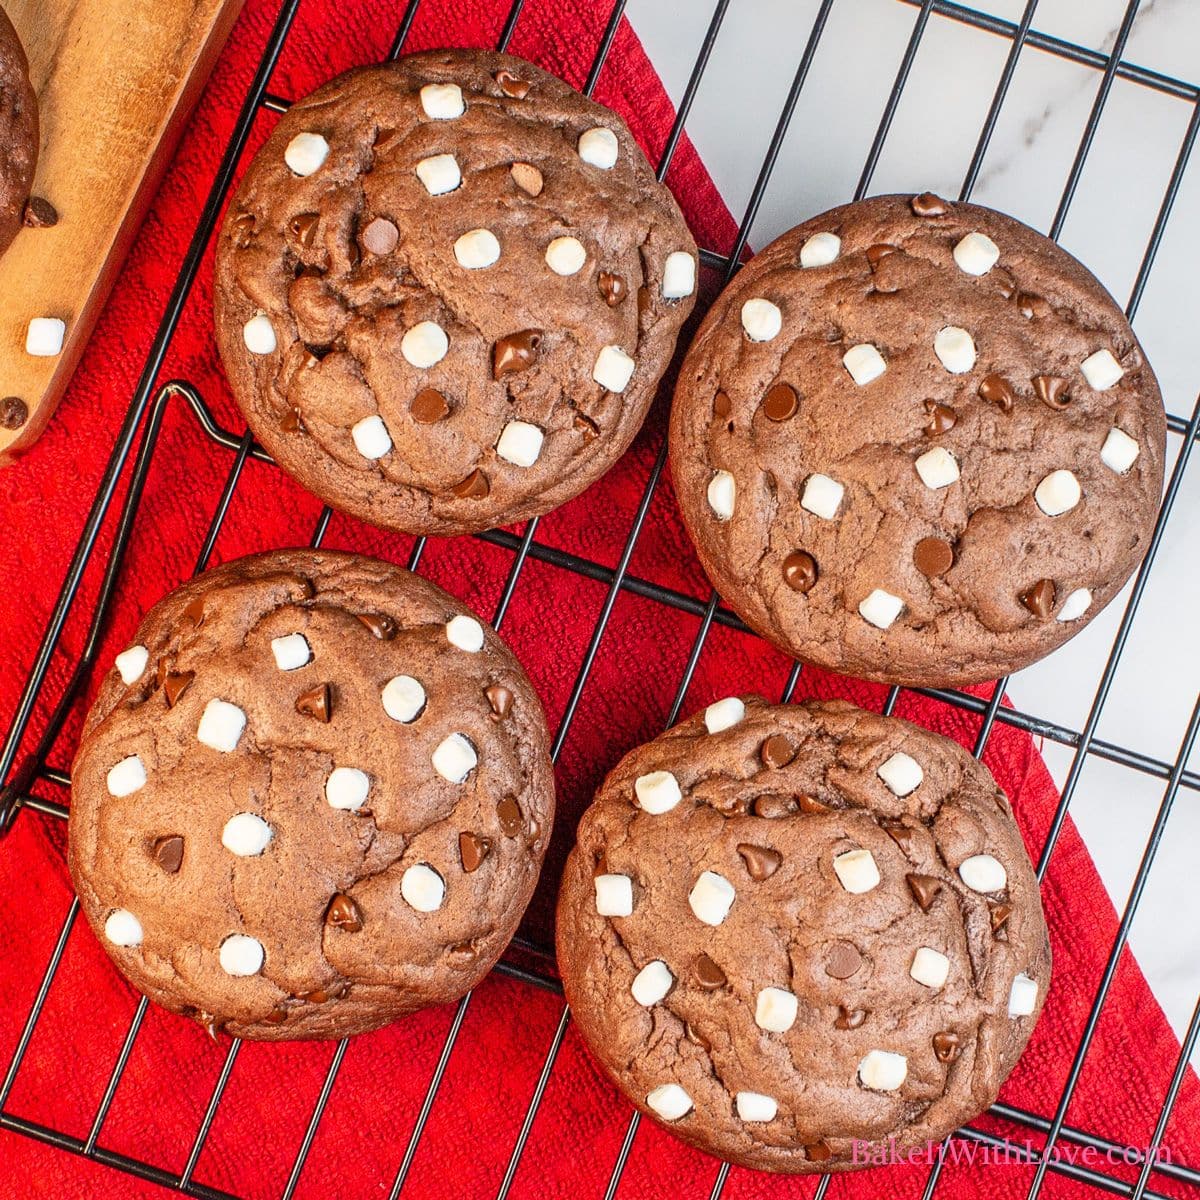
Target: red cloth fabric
(508, 1026)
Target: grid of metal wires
(528, 961)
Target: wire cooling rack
(527, 960)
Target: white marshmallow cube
(246, 835)
(425, 344)
(657, 792)
(454, 758)
(857, 871)
(864, 363)
(241, 956)
(1075, 605)
(44, 337)
(465, 632)
(443, 101)
(599, 147)
(439, 173)
(820, 250)
(761, 319)
(1101, 370)
(754, 1106)
(614, 369)
(679, 275)
(291, 651)
(259, 334)
(822, 496)
(670, 1101)
(403, 698)
(221, 725)
(881, 609)
(711, 898)
(131, 663)
(930, 967)
(306, 153)
(902, 774)
(1022, 997)
(126, 777)
(938, 468)
(347, 788)
(724, 714)
(371, 437)
(614, 895)
(775, 1010)
(477, 248)
(983, 873)
(955, 349)
(976, 254)
(652, 983)
(422, 888)
(1058, 493)
(883, 1071)
(565, 255)
(1119, 451)
(122, 928)
(722, 494)
(520, 443)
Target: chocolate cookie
(18, 132)
(917, 442)
(313, 796)
(790, 933)
(447, 289)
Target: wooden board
(116, 81)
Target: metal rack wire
(26, 780)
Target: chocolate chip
(809, 805)
(902, 835)
(1051, 390)
(587, 426)
(995, 389)
(175, 683)
(344, 914)
(527, 177)
(780, 402)
(761, 861)
(849, 1018)
(195, 611)
(472, 850)
(924, 889)
(276, 1016)
(380, 236)
(501, 700)
(708, 975)
(14, 412)
(999, 913)
(933, 556)
(843, 961)
(1039, 598)
(511, 85)
(1030, 305)
(316, 702)
(818, 1152)
(323, 995)
(380, 624)
(942, 418)
(428, 406)
(40, 213)
(473, 486)
(384, 138)
(509, 813)
(213, 1025)
(800, 571)
(1004, 281)
(777, 751)
(946, 1047)
(773, 806)
(304, 228)
(291, 421)
(878, 252)
(168, 853)
(929, 205)
(515, 352)
(722, 406)
(612, 288)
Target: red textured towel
(509, 1026)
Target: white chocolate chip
(857, 871)
(722, 494)
(439, 173)
(221, 725)
(613, 369)
(883, 1071)
(425, 344)
(403, 699)
(1058, 493)
(306, 153)
(122, 928)
(902, 774)
(599, 147)
(44, 337)
(930, 967)
(454, 758)
(775, 1010)
(679, 275)
(477, 248)
(465, 632)
(565, 255)
(657, 792)
(131, 663)
(711, 898)
(241, 956)
(822, 496)
(291, 651)
(520, 443)
(955, 349)
(864, 363)
(259, 334)
(820, 250)
(983, 873)
(938, 468)
(1119, 452)
(761, 319)
(422, 888)
(670, 1101)
(881, 608)
(652, 983)
(724, 714)
(246, 835)
(347, 788)
(126, 777)
(1075, 605)
(443, 101)
(371, 437)
(1101, 370)
(614, 895)
(1022, 997)
(976, 254)
(754, 1106)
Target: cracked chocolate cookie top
(18, 132)
(915, 441)
(312, 796)
(787, 929)
(447, 289)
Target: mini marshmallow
(976, 254)
(614, 895)
(306, 153)
(347, 788)
(221, 725)
(241, 955)
(761, 319)
(1119, 451)
(424, 344)
(477, 248)
(983, 873)
(246, 835)
(657, 792)
(930, 967)
(127, 777)
(371, 437)
(614, 369)
(652, 983)
(679, 275)
(520, 443)
(565, 255)
(131, 663)
(955, 349)
(881, 608)
(291, 651)
(820, 250)
(1101, 370)
(864, 363)
(775, 1010)
(403, 699)
(1058, 493)
(857, 871)
(902, 774)
(724, 714)
(1022, 997)
(259, 334)
(422, 888)
(822, 496)
(44, 337)
(439, 173)
(465, 632)
(938, 468)
(883, 1071)
(670, 1101)
(122, 928)
(599, 147)
(722, 494)
(443, 101)
(454, 758)
(754, 1106)
(1075, 605)
(711, 898)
